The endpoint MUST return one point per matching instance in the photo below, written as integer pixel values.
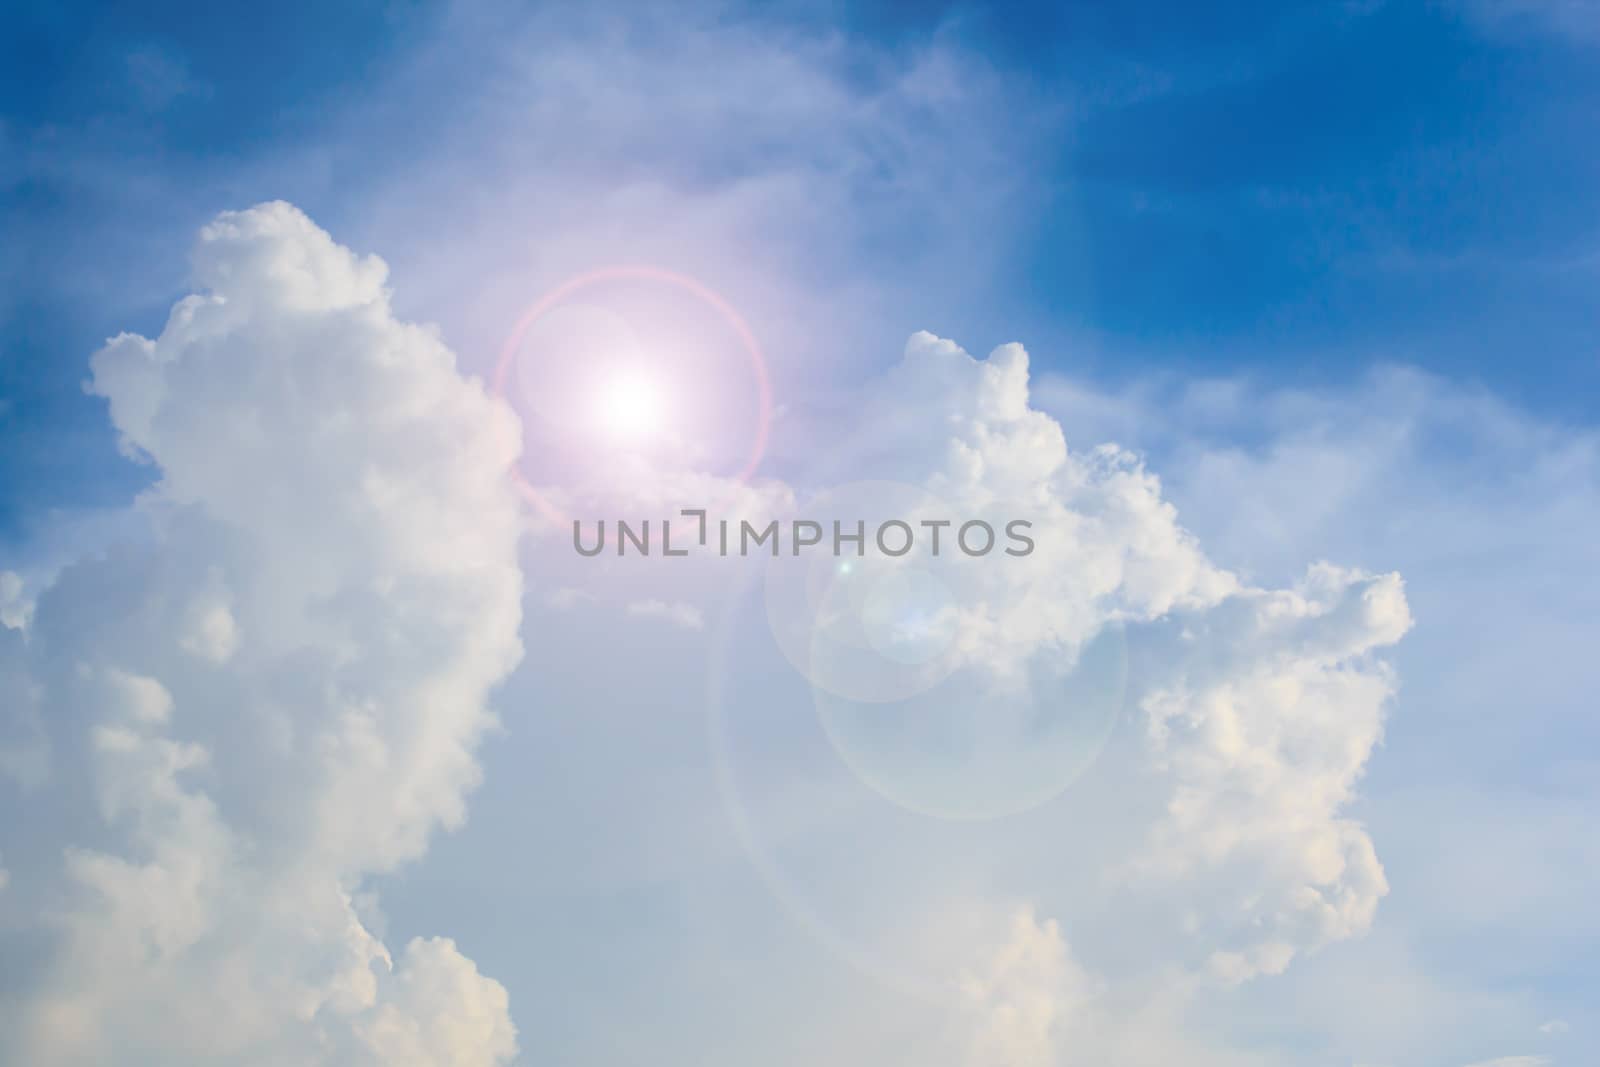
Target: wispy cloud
(677, 613)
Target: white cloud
(1514, 1061)
(677, 613)
(1261, 706)
(1266, 718)
(14, 610)
(209, 629)
(1219, 845)
(1478, 502)
(1027, 998)
(280, 694)
(566, 598)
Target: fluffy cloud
(1108, 545)
(1255, 708)
(1218, 847)
(1264, 713)
(1478, 502)
(235, 724)
(1260, 706)
(1256, 711)
(1028, 996)
(274, 698)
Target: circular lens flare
(976, 747)
(866, 627)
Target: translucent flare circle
(909, 616)
(866, 626)
(978, 746)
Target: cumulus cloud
(1436, 477)
(1255, 709)
(277, 697)
(1027, 997)
(1264, 713)
(1219, 847)
(1260, 706)
(1109, 546)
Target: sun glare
(629, 408)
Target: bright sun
(628, 407)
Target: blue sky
(1296, 192)
(1328, 270)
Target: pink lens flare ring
(641, 272)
